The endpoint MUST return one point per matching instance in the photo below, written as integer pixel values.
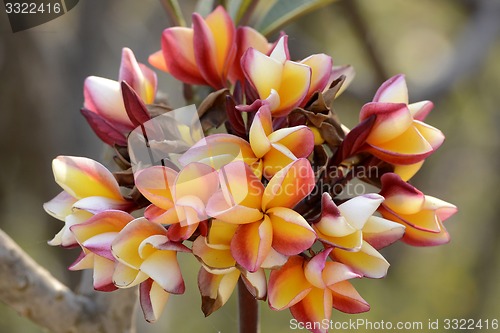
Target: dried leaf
(125, 178)
(122, 158)
(212, 111)
(156, 110)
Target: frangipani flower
(218, 150)
(147, 257)
(266, 152)
(356, 234)
(95, 237)
(398, 135)
(311, 287)
(278, 148)
(284, 84)
(246, 37)
(104, 107)
(89, 188)
(219, 273)
(422, 215)
(178, 198)
(264, 215)
(202, 54)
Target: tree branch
(35, 294)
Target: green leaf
(243, 9)
(174, 12)
(285, 11)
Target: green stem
(174, 12)
(248, 308)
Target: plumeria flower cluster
(264, 189)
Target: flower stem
(248, 308)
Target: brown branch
(361, 28)
(35, 294)
(248, 308)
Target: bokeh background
(449, 51)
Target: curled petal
(424, 220)
(256, 283)
(291, 232)
(321, 68)
(393, 90)
(336, 272)
(214, 45)
(280, 50)
(104, 97)
(126, 245)
(442, 208)
(139, 77)
(379, 232)
(126, 277)
(239, 187)
(406, 172)
(163, 268)
(288, 285)
(65, 237)
(178, 233)
(276, 159)
(399, 195)
(215, 289)
(100, 244)
(295, 82)
(367, 261)
(409, 148)
(332, 223)
(219, 208)
(214, 260)
(417, 237)
(103, 274)
(315, 308)
(196, 180)
(60, 206)
(431, 134)
(262, 71)
(358, 209)
(107, 222)
(392, 120)
(155, 184)
(313, 269)
(347, 299)
(178, 54)
(251, 244)
(274, 260)
(246, 37)
(420, 110)
(217, 150)
(298, 139)
(262, 126)
(220, 234)
(99, 204)
(82, 177)
(153, 300)
(157, 60)
(289, 186)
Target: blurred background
(449, 51)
